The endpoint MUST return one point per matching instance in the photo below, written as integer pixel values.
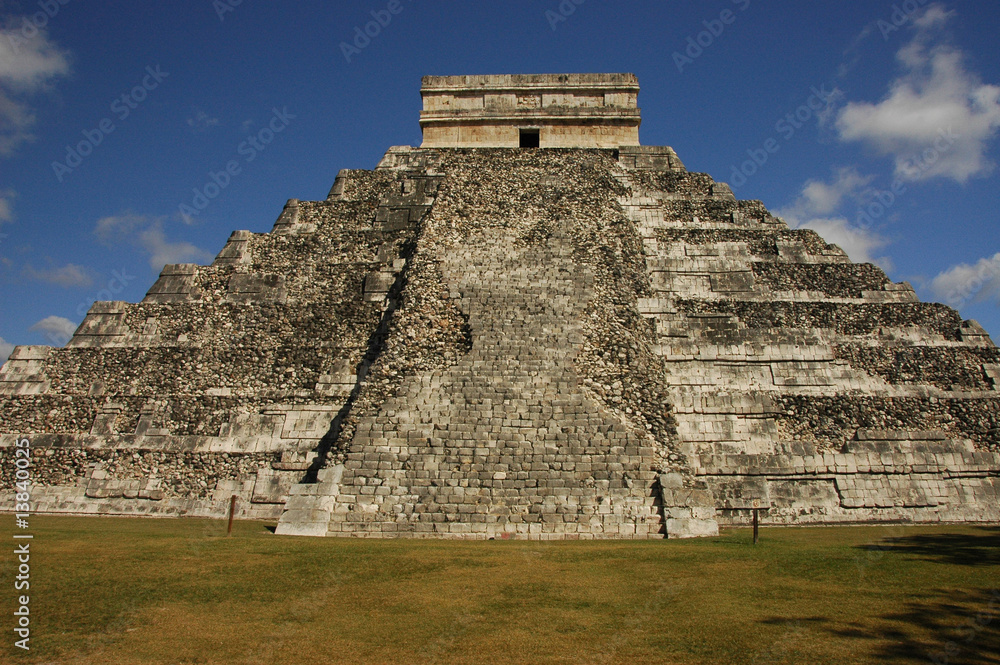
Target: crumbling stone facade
(529, 343)
(530, 110)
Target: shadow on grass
(955, 626)
(952, 627)
(980, 548)
(944, 626)
(947, 627)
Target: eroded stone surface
(503, 342)
(560, 110)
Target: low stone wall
(843, 318)
(829, 420)
(872, 481)
(944, 367)
(845, 280)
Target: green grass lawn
(107, 590)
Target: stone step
(674, 350)
(309, 506)
(949, 463)
(696, 401)
(725, 427)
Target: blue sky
(875, 123)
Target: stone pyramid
(485, 339)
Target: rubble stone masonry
(517, 343)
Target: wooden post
(756, 509)
(232, 511)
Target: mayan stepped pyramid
(529, 327)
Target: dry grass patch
(116, 591)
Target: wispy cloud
(26, 68)
(162, 251)
(70, 275)
(822, 198)
(117, 228)
(147, 233)
(57, 329)
(816, 208)
(935, 98)
(6, 207)
(963, 283)
(934, 16)
(201, 121)
(6, 348)
(859, 242)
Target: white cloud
(6, 348)
(57, 329)
(70, 275)
(27, 66)
(147, 233)
(29, 63)
(934, 16)
(161, 251)
(820, 198)
(963, 282)
(814, 209)
(937, 118)
(859, 242)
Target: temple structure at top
(530, 111)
